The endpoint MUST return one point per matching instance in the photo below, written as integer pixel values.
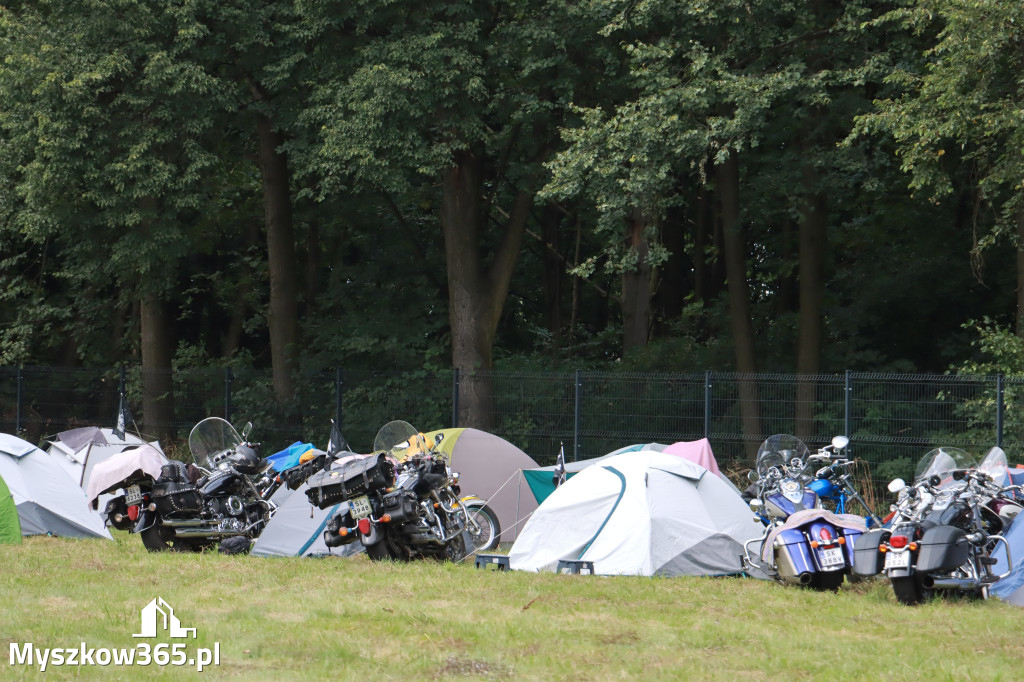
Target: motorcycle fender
(867, 560)
(943, 548)
(146, 520)
(373, 537)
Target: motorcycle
(803, 544)
(945, 533)
(833, 484)
(190, 507)
(401, 502)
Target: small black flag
(337, 442)
(124, 417)
(558, 475)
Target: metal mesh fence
(892, 419)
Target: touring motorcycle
(802, 544)
(401, 502)
(946, 529)
(194, 506)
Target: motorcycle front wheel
(909, 590)
(488, 532)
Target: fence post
(707, 403)
(577, 416)
(847, 402)
(1000, 394)
(17, 413)
(338, 393)
(455, 398)
(227, 394)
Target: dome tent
(641, 513)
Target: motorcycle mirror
(840, 442)
(896, 485)
(753, 476)
(246, 429)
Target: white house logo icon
(170, 622)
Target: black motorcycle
(402, 501)
(190, 507)
(945, 533)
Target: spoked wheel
(454, 549)
(385, 550)
(158, 538)
(909, 590)
(827, 581)
(488, 531)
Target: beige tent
(488, 467)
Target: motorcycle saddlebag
(867, 560)
(352, 479)
(176, 498)
(943, 548)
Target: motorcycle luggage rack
(575, 567)
(499, 561)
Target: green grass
(350, 619)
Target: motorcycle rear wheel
(489, 533)
(827, 581)
(909, 590)
(158, 538)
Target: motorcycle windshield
(778, 451)
(401, 441)
(943, 461)
(995, 465)
(210, 436)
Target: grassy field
(350, 619)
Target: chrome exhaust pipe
(950, 583)
(805, 578)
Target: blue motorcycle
(803, 543)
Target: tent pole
(81, 481)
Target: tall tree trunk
(232, 339)
(157, 389)
(476, 292)
(1020, 272)
(283, 318)
(636, 287)
(727, 176)
(552, 265)
(814, 218)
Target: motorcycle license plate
(897, 560)
(132, 495)
(360, 507)
(832, 557)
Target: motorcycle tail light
(825, 536)
(898, 541)
(364, 526)
(133, 512)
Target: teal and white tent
(640, 513)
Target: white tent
(297, 527)
(641, 513)
(47, 498)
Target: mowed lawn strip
(355, 619)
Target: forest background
(521, 186)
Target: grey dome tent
(47, 499)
